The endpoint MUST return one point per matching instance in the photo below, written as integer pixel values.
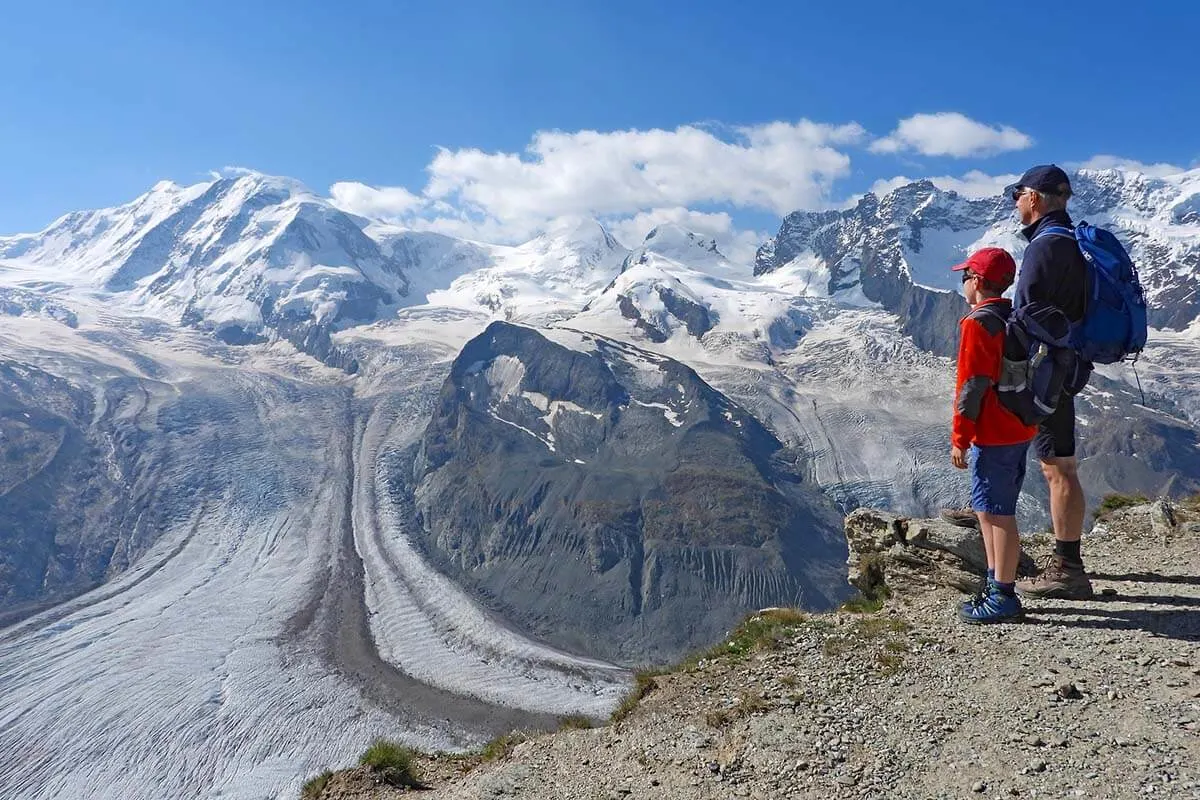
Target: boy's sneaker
(1058, 579)
(995, 606)
(962, 517)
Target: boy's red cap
(993, 264)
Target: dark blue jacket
(1052, 269)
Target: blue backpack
(1114, 318)
(1039, 364)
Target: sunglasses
(1017, 192)
(968, 276)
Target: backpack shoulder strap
(1054, 230)
(991, 318)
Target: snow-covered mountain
(217, 543)
(892, 249)
(237, 256)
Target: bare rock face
(609, 500)
(912, 556)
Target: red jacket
(979, 418)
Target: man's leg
(1063, 576)
(1066, 499)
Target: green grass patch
(889, 663)
(748, 703)
(1115, 501)
(575, 722)
(835, 646)
(643, 684)
(874, 627)
(769, 629)
(314, 787)
(719, 718)
(393, 762)
(501, 746)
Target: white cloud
(1160, 170)
(777, 167)
(232, 172)
(626, 177)
(973, 184)
(949, 133)
(738, 246)
(388, 202)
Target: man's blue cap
(1046, 178)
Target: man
(1053, 271)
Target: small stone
(1034, 740)
(1145, 661)
(1058, 740)
(1112, 694)
(978, 786)
(847, 780)
(1037, 765)
(1108, 591)
(1068, 691)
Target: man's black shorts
(1056, 435)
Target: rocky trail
(899, 699)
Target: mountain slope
(613, 493)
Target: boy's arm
(978, 356)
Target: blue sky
(99, 101)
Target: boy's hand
(958, 457)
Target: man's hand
(958, 458)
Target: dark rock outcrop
(911, 556)
(617, 504)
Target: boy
(992, 437)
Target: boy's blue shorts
(997, 472)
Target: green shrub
(315, 786)
(393, 762)
(1112, 502)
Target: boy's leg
(996, 476)
(1006, 545)
(989, 546)
(979, 501)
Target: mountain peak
(584, 235)
(675, 241)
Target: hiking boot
(962, 517)
(1059, 579)
(995, 606)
